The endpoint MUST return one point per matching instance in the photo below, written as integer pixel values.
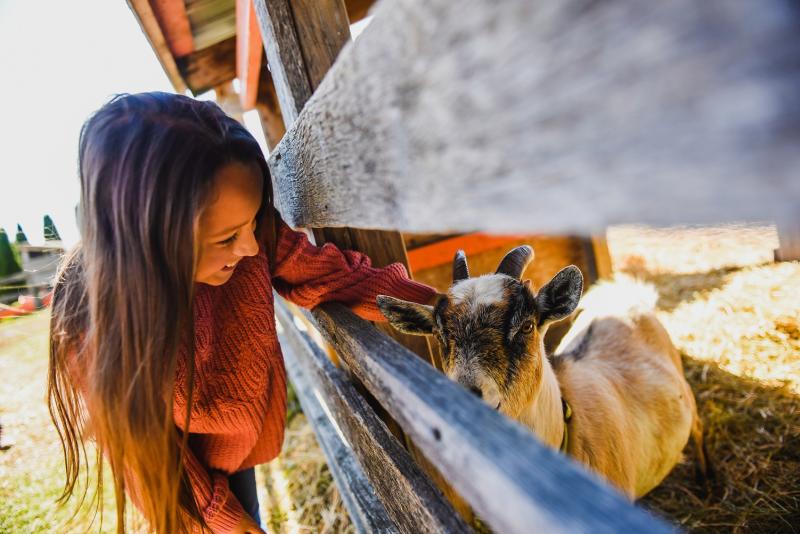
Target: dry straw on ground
(297, 492)
(734, 315)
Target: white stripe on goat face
(473, 295)
(486, 290)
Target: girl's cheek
(209, 258)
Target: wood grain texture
(149, 24)
(284, 56)
(269, 110)
(322, 30)
(174, 23)
(517, 117)
(207, 68)
(514, 483)
(408, 497)
(364, 508)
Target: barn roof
(205, 43)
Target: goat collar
(567, 416)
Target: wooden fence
(513, 116)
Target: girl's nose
(247, 245)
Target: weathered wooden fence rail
(366, 510)
(513, 482)
(407, 494)
(456, 116)
(555, 116)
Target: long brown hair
(122, 302)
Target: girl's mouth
(229, 267)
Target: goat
(616, 370)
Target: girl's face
(227, 224)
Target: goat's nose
(476, 391)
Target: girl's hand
(247, 526)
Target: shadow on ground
(753, 437)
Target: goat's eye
(527, 327)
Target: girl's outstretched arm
(309, 275)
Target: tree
(21, 237)
(50, 232)
(8, 263)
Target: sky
(56, 70)
(59, 62)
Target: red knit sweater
(239, 405)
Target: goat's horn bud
(515, 261)
(460, 269)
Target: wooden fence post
(299, 56)
(788, 242)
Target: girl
(162, 344)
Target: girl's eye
(527, 327)
(229, 241)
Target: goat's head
(490, 328)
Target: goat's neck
(545, 415)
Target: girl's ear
(407, 317)
(560, 296)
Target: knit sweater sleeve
(309, 275)
(220, 508)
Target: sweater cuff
(224, 512)
(412, 290)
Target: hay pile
(296, 490)
(735, 317)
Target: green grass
(32, 471)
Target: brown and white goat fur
(632, 409)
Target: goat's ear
(560, 296)
(408, 317)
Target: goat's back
(618, 367)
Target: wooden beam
(205, 69)
(322, 31)
(149, 24)
(174, 23)
(601, 256)
(357, 9)
(269, 110)
(442, 252)
(212, 21)
(366, 511)
(248, 53)
(228, 100)
(408, 497)
(284, 56)
(463, 116)
(788, 241)
(302, 41)
(514, 483)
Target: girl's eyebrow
(228, 230)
